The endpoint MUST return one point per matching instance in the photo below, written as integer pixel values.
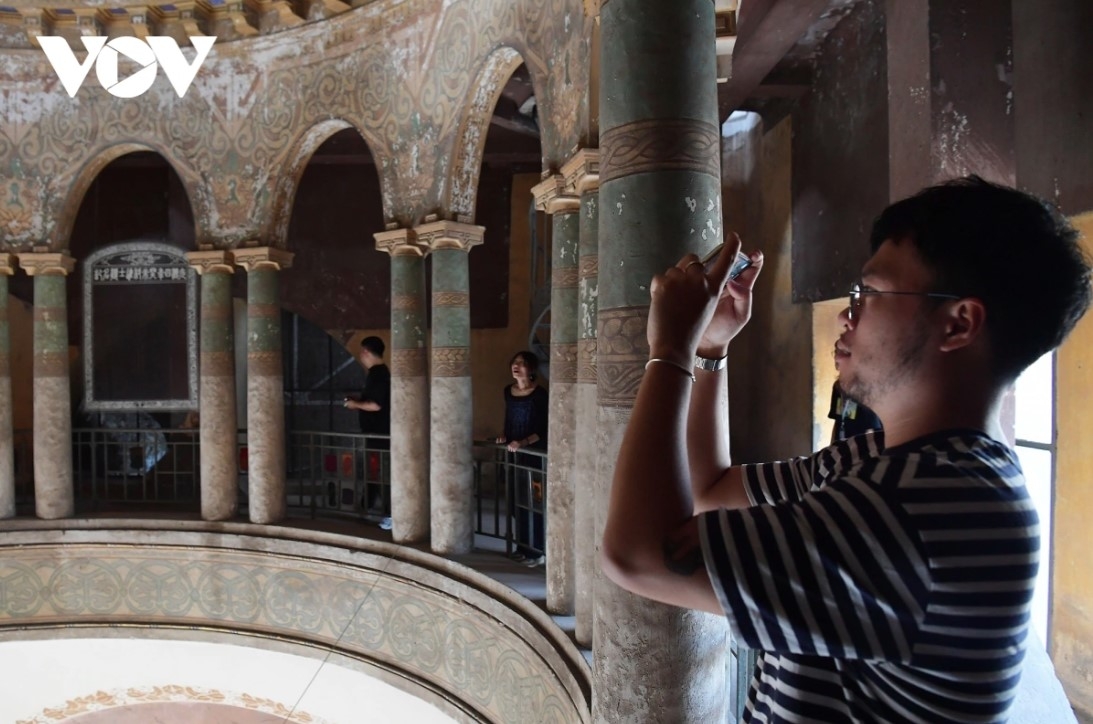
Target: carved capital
(7, 264)
(211, 262)
(262, 257)
(46, 264)
(449, 235)
(552, 197)
(399, 242)
(582, 172)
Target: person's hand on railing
(515, 445)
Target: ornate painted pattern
(100, 701)
(565, 277)
(586, 360)
(217, 364)
(451, 362)
(403, 622)
(451, 299)
(409, 76)
(660, 145)
(406, 302)
(408, 363)
(563, 363)
(51, 364)
(622, 352)
(265, 363)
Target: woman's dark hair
(1012, 251)
(531, 361)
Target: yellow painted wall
(824, 332)
(1072, 601)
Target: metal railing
(327, 474)
(510, 496)
(339, 473)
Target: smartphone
(741, 262)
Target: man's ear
(965, 321)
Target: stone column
(217, 432)
(451, 419)
(7, 441)
(54, 496)
(660, 189)
(409, 387)
(551, 196)
(265, 383)
(582, 178)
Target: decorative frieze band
(262, 257)
(35, 264)
(264, 364)
(563, 362)
(443, 234)
(566, 277)
(263, 311)
(408, 363)
(51, 364)
(451, 362)
(406, 302)
(451, 299)
(589, 266)
(676, 144)
(621, 355)
(216, 312)
(217, 364)
(586, 360)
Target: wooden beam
(768, 30)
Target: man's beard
(871, 392)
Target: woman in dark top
(526, 405)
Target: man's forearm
(708, 434)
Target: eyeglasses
(857, 292)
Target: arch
(296, 162)
(99, 160)
(461, 191)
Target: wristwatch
(711, 365)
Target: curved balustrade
(432, 627)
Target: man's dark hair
(1011, 250)
(374, 345)
(531, 361)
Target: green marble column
(54, 496)
(552, 197)
(660, 193)
(581, 174)
(451, 393)
(218, 424)
(265, 383)
(409, 388)
(7, 442)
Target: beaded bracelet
(675, 364)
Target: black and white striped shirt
(881, 585)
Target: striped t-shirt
(881, 585)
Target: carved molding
(408, 362)
(552, 196)
(262, 257)
(582, 172)
(399, 242)
(622, 351)
(449, 235)
(459, 300)
(211, 262)
(451, 362)
(7, 264)
(46, 264)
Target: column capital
(399, 242)
(582, 172)
(449, 235)
(46, 264)
(7, 264)
(262, 257)
(209, 262)
(552, 197)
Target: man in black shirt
(374, 411)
